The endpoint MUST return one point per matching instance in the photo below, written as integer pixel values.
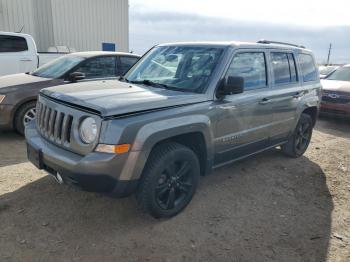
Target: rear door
(243, 119)
(15, 56)
(286, 93)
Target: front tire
(169, 180)
(300, 140)
(24, 115)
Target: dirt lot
(265, 208)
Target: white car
(18, 54)
(326, 70)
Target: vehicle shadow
(12, 149)
(265, 208)
(334, 126)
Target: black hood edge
(82, 108)
(136, 113)
(119, 116)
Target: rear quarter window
(308, 67)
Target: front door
(243, 123)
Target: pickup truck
(18, 92)
(183, 110)
(19, 53)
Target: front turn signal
(113, 149)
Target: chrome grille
(54, 125)
(336, 97)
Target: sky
(314, 24)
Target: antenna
(329, 53)
(20, 31)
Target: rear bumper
(95, 172)
(335, 109)
(6, 117)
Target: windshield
(341, 74)
(327, 70)
(183, 68)
(58, 67)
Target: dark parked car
(18, 93)
(336, 93)
(180, 112)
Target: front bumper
(95, 172)
(6, 117)
(335, 109)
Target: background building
(81, 24)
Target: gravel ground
(265, 208)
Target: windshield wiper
(147, 83)
(159, 85)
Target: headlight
(2, 97)
(88, 130)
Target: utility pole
(329, 53)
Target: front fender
(151, 134)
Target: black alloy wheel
(169, 180)
(174, 184)
(300, 140)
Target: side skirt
(248, 155)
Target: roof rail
(263, 41)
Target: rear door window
(252, 67)
(283, 67)
(126, 62)
(308, 67)
(9, 44)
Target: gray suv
(183, 110)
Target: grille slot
(54, 125)
(339, 100)
(52, 122)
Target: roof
(14, 34)
(236, 44)
(89, 54)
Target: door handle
(26, 60)
(298, 95)
(265, 101)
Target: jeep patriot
(183, 110)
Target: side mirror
(231, 85)
(76, 76)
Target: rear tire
(300, 140)
(24, 114)
(169, 180)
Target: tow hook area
(59, 178)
